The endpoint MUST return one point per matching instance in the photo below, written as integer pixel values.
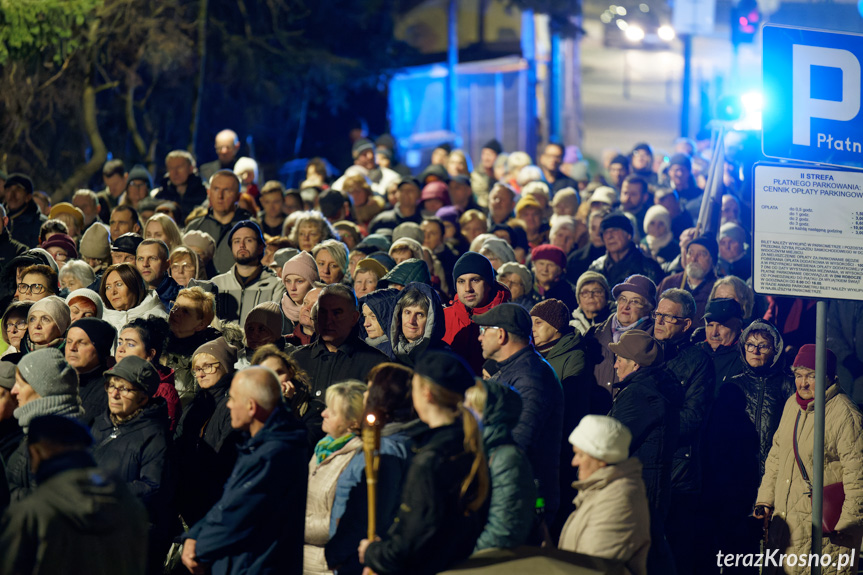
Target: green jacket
(513, 491)
(76, 521)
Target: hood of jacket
(564, 345)
(501, 413)
(435, 327)
(408, 271)
(279, 427)
(778, 345)
(382, 302)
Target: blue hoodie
(382, 302)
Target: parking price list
(807, 233)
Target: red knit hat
(61, 241)
(550, 253)
(806, 358)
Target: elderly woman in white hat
(611, 518)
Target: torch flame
(370, 419)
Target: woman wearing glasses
(37, 282)
(14, 325)
(132, 441)
(206, 443)
(126, 296)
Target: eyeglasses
(666, 318)
(19, 325)
(483, 328)
(622, 301)
(762, 348)
(209, 369)
(124, 391)
(591, 293)
(35, 289)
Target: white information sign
(808, 232)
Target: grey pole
(818, 447)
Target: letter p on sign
(805, 106)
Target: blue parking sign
(812, 85)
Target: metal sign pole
(818, 447)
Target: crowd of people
(552, 357)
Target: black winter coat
(206, 450)
(11, 435)
(649, 405)
(434, 529)
(196, 194)
(564, 291)
(94, 398)
(726, 363)
(692, 368)
(9, 249)
(634, 262)
(25, 224)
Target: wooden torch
(371, 448)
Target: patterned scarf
(327, 446)
(618, 330)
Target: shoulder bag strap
(797, 455)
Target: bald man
(227, 148)
(257, 525)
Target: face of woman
(35, 283)
(587, 465)
(42, 328)
(257, 334)
(16, 327)
(129, 342)
(124, 399)
(328, 269)
(71, 282)
(308, 235)
(725, 291)
(414, 319)
(207, 370)
(592, 298)
(336, 424)
(759, 350)
(656, 228)
(456, 165)
(118, 293)
(370, 322)
(365, 283)
(155, 231)
(472, 229)
(297, 288)
(81, 307)
(277, 365)
(513, 282)
(804, 380)
(182, 270)
(543, 332)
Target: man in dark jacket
(78, 519)
(623, 258)
(25, 219)
(405, 210)
(723, 322)
(9, 249)
(701, 257)
(257, 525)
(88, 348)
(182, 184)
(649, 405)
(505, 333)
(691, 367)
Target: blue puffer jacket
(257, 525)
(540, 427)
(435, 329)
(382, 302)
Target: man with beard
(701, 257)
(247, 283)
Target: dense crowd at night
(544, 354)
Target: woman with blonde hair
(185, 265)
(162, 227)
(444, 507)
(309, 229)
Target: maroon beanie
(806, 358)
(554, 312)
(549, 252)
(61, 241)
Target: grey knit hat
(522, 271)
(590, 277)
(7, 374)
(225, 353)
(55, 307)
(48, 373)
(268, 314)
(96, 242)
(499, 248)
(408, 230)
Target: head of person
(144, 338)
(213, 361)
(138, 186)
(152, 261)
(202, 244)
(517, 277)
(310, 229)
(227, 146)
(358, 188)
(95, 247)
(290, 375)
(497, 251)
(336, 314)
(162, 227)
(565, 202)
(15, 323)
(368, 273)
(224, 193)
(41, 374)
(349, 232)
(635, 297)
(363, 152)
(563, 233)
(263, 325)
(8, 402)
(37, 282)
(594, 228)
(254, 394)
(124, 220)
(674, 315)
(730, 211)
(435, 195)
(804, 371)
(19, 192)
(88, 344)
(83, 303)
(457, 163)
(460, 191)
(69, 215)
(597, 442)
(344, 412)
(617, 233)
(299, 275)
(603, 198)
(404, 249)
(391, 401)
(489, 153)
(618, 169)
(657, 222)
(732, 242)
(669, 199)
(474, 280)
(680, 171)
(184, 265)
(331, 258)
(761, 344)
(530, 211)
(407, 196)
(247, 243)
(552, 157)
(308, 305)
(75, 275)
(180, 165)
(701, 256)
(723, 321)
(633, 193)
(130, 384)
(504, 330)
(114, 176)
(272, 198)
(433, 232)
(501, 202)
(472, 224)
(641, 158)
(411, 315)
(47, 320)
(193, 310)
(549, 263)
(635, 350)
(124, 249)
(592, 293)
(550, 322)
(62, 249)
(123, 287)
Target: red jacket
(462, 334)
(168, 392)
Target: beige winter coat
(611, 518)
(323, 477)
(784, 488)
